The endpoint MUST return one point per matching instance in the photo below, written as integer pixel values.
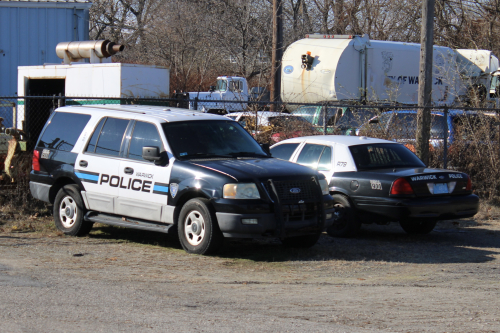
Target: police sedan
(380, 181)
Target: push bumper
(442, 208)
(238, 223)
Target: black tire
(418, 226)
(346, 223)
(198, 229)
(69, 212)
(302, 242)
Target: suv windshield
(383, 156)
(210, 139)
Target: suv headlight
(241, 191)
(324, 186)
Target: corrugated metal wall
(28, 36)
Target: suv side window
(144, 135)
(58, 135)
(110, 138)
(95, 136)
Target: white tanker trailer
(356, 69)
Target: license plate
(440, 188)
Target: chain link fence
(461, 139)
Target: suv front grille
(299, 212)
(287, 193)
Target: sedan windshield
(210, 139)
(383, 156)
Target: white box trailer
(355, 69)
(102, 82)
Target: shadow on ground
(374, 243)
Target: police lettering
(455, 175)
(423, 177)
(129, 184)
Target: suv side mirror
(151, 154)
(212, 89)
(265, 148)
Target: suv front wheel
(69, 212)
(198, 230)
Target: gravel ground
(119, 280)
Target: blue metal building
(30, 31)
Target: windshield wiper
(206, 155)
(247, 154)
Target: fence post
(324, 120)
(445, 139)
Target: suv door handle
(128, 171)
(83, 163)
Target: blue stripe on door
(160, 188)
(87, 176)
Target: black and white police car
(153, 168)
(380, 181)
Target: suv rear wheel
(198, 229)
(69, 212)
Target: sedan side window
(284, 151)
(325, 162)
(310, 154)
(144, 135)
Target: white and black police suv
(153, 168)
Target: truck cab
(228, 95)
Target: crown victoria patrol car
(153, 168)
(379, 181)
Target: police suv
(154, 168)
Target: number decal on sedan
(342, 164)
(376, 184)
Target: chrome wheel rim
(339, 215)
(194, 228)
(68, 212)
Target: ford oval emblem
(288, 69)
(295, 190)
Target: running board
(127, 222)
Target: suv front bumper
(239, 224)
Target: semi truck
(354, 68)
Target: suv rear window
(59, 134)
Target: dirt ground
(120, 280)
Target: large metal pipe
(83, 49)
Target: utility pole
(277, 53)
(425, 81)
